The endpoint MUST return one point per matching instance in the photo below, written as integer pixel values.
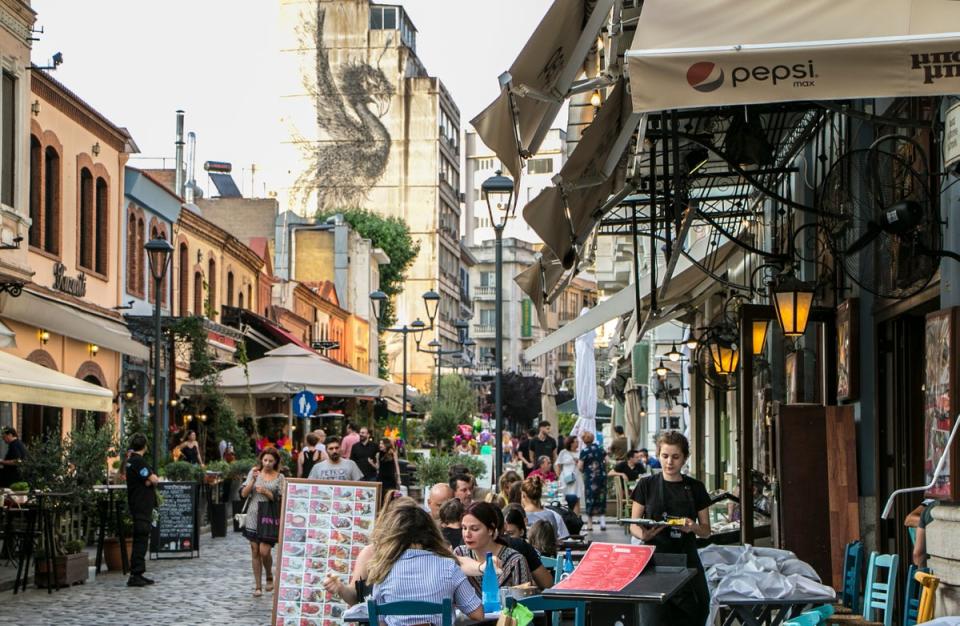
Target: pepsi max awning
(707, 53)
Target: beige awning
(8, 338)
(26, 382)
(42, 312)
(688, 282)
(707, 53)
(539, 281)
(539, 80)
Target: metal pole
(403, 413)
(498, 354)
(439, 355)
(157, 347)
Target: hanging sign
(951, 137)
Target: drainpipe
(178, 181)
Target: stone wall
(943, 548)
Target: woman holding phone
(683, 501)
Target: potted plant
(69, 568)
(111, 545)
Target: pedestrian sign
(304, 404)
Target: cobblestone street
(214, 589)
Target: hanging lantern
(661, 369)
(792, 300)
(674, 354)
(759, 335)
(725, 357)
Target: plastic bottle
(567, 563)
(490, 587)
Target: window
(36, 165)
(132, 255)
(250, 296)
(539, 166)
(86, 219)
(197, 293)
(102, 229)
(51, 201)
(488, 317)
(8, 149)
(141, 255)
(184, 286)
(383, 18)
(229, 288)
(212, 288)
(240, 302)
(487, 279)
(154, 234)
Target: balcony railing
(483, 292)
(484, 331)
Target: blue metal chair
(880, 591)
(540, 603)
(410, 608)
(852, 568)
(813, 617)
(911, 596)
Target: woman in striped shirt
(482, 526)
(412, 562)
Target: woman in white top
(570, 476)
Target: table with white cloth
(760, 586)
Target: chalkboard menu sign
(324, 526)
(177, 529)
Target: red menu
(607, 567)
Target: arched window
(229, 288)
(103, 231)
(240, 299)
(36, 165)
(51, 201)
(212, 288)
(250, 296)
(141, 254)
(87, 224)
(197, 293)
(132, 254)
(184, 286)
(154, 233)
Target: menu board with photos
(323, 526)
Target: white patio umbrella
(548, 403)
(586, 383)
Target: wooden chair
(409, 608)
(879, 593)
(929, 582)
(852, 570)
(540, 603)
(622, 495)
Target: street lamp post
(431, 301)
(158, 252)
(498, 192)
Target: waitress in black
(670, 495)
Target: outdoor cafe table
(635, 603)
(769, 611)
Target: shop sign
(73, 285)
(951, 136)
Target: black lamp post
(498, 192)
(434, 347)
(431, 301)
(158, 252)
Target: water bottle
(567, 564)
(490, 587)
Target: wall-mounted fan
(884, 226)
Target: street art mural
(351, 99)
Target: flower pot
(111, 552)
(67, 570)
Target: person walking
(142, 500)
(388, 466)
(671, 495)
(593, 465)
(543, 444)
(190, 449)
(264, 485)
(571, 478)
(15, 456)
(364, 453)
(309, 456)
(334, 467)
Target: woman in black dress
(191, 449)
(682, 499)
(388, 467)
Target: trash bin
(218, 519)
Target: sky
(140, 61)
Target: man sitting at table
(631, 468)
(16, 453)
(438, 496)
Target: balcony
(484, 292)
(484, 331)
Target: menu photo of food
(325, 525)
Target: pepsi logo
(705, 76)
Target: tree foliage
(456, 405)
(521, 398)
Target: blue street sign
(304, 404)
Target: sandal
(257, 593)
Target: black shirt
(542, 448)
(528, 552)
(632, 474)
(684, 498)
(141, 497)
(454, 536)
(524, 450)
(16, 451)
(361, 454)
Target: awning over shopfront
(291, 369)
(689, 282)
(708, 53)
(43, 312)
(8, 338)
(26, 382)
(263, 331)
(604, 412)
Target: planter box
(68, 570)
(111, 552)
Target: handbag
(268, 521)
(568, 477)
(241, 517)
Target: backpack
(570, 519)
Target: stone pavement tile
(214, 589)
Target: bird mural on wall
(354, 145)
